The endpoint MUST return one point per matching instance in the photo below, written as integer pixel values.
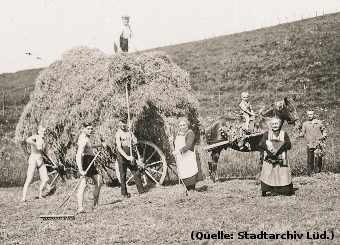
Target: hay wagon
(88, 85)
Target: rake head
(57, 217)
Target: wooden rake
(63, 216)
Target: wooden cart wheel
(153, 159)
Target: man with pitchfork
(124, 140)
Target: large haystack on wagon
(87, 85)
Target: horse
(227, 132)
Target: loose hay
(87, 85)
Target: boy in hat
(122, 36)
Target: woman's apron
(186, 163)
(274, 174)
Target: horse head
(214, 132)
(286, 111)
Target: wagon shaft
(212, 146)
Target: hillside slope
(299, 58)
(18, 86)
(281, 60)
(15, 91)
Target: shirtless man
(123, 35)
(84, 157)
(38, 143)
(125, 160)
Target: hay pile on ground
(87, 85)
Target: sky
(35, 33)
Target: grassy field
(166, 216)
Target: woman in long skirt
(276, 174)
(185, 155)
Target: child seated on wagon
(247, 112)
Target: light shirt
(126, 31)
(313, 131)
(123, 31)
(246, 108)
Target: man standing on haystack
(315, 135)
(122, 36)
(124, 140)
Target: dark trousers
(123, 165)
(87, 159)
(313, 163)
(124, 44)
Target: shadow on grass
(51, 190)
(223, 179)
(110, 203)
(283, 193)
(114, 183)
(202, 188)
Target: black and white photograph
(169, 122)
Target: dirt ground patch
(166, 215)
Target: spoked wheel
(153, 160)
